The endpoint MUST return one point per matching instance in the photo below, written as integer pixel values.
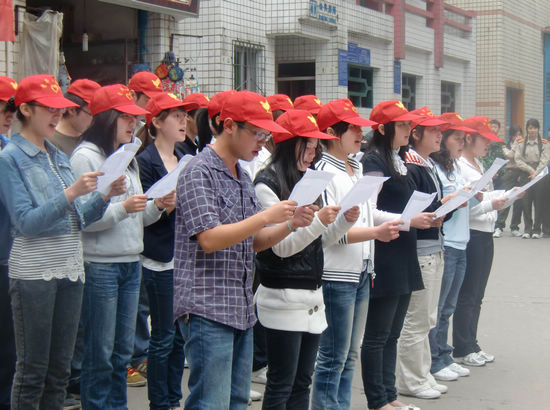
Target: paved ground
(514, 327)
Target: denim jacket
(34, 196)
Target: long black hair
(532, 122)
(103, 130)
(383, 144)
(204, 136)
(443, 156)
(512, 135)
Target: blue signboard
(397, 77)
(355, 55)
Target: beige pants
(413, 348)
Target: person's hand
(423, 220)
(498, 203)
(352, 214)
(280, 212)
(328, 214)
(136, 203)
(437, 223)
(531, 174)
(449, 196)
(388, 231)
(166, 201)
(86, 183)
(118, 187)
(303, 216)
(479, 196)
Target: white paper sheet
(453, 203)
(513, 193)
(312, 184)
(417, 203)
(168, 183)
(488, 175)
(361, 192)
(115, 165)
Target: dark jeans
(378, 354)
(45, 316)
(7, 341)
(141, 342)
(533, 199)
(479, 258)
(76, 362)
(512, 178)
(166, 358)
(290, 364)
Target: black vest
(302, 270)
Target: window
(360, 85)
(448, 97)
(295, 79)
(248, 66)
(408, 91)
(371, 4)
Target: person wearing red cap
(279, 104)
(75, 120)
(48, 207)
(112, 248)
(196, 106)
(8, 87)
(396, 263)
(166, 122)
(143, 86)
(413, 377)
(348, 261)
(294, 267)
(480, 249)
(216, 126)
(219, 224)
(310, 103)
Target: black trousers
(7, 341)
(290, 363)
(379, 350)
(479, 255)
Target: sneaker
(498, 233)
(134, 378)
(536, 236)
(472, 359)
(260, 376)
(458, 369)
(142, 369)
(255, 395)
(426, 394)
(445, 375)
(516, 233)
(441, 388)
(526, 236)
(489, 358)
(70, 403)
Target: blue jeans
(347, 305)
(141, 342)
(45, 317)
(166, 358)
(220, 364)
(453, 275)
(110, 306)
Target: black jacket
(187, 147)
(158, 238)
(302, 270)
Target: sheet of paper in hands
(513, 193)
(115, 165)
(417, 203)
(488, 175)
(453, 203)
(312, 184)
(169, 182)
(361, 192)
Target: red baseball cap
(388, 111)
(427, 118)
(340, 110)
(194, 101)
(8, 87)
(115, 97)
(44, 89)
(84, 89)
(216, 102)
(159, 103)
(247, 106)
(280, 102)
(454, 122)
(299, 123)
(482, 126)
(145, 82)
(309, 103)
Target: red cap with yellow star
(44, 89)
(8, 87)
(391, 111)
(340, 110)
(115, 97)
(299, 123)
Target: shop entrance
(296, 79)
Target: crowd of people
(104, 286)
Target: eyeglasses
(260, 136)
(50, 109)
(86, 112)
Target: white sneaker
(255, 395)
(445, 375)
(489, 358)
(516, 233)
(498, 233)
(458, 369)
(441, 388)
(426, 394)
(472, 359)
(260, 376)
(526, 236)
(536, 236)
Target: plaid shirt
(216, 286)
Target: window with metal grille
(371, 4)
(408, 91)
(448, 97)
(248, 66)
(361, 85)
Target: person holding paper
(479, 252)
(112, 248)
(289, 298)
(166, 122)
(413, 349)
(396, 263)
(349, 257)
(47, 208)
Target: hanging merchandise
(175, 72)
(176, 79)
(63, 78)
